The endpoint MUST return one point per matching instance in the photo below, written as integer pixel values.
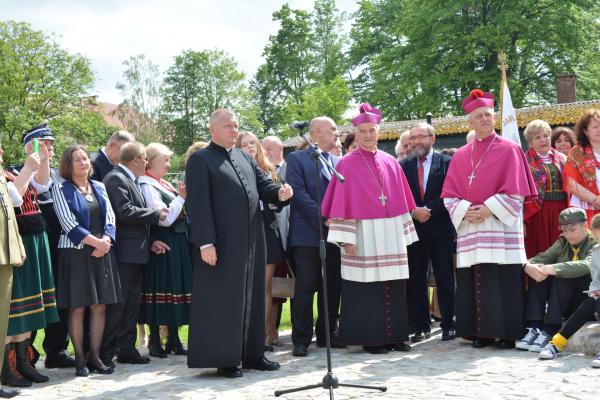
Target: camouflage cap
(572, 215)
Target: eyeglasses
(419, 137)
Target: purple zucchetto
(367, 115)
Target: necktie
(422, 178)
(575, 253)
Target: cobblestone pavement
(432, 370)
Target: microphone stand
(329, 381)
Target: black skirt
(374, 313)
(490, 301)
(272, 238)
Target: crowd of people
(91, 249)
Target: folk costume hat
(476, 99)
(41, 132)
(367, 115)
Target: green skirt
(167, 292)
(33, 301)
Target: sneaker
(540, 342)
(528, 339)
(596, 361)
(549, 352)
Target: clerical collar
(365, 151)
(227, 149)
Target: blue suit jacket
(73, 214)
(304, 213)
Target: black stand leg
(330, 381)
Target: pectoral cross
(382, 198)
(471, 177)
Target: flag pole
(502, 67)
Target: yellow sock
(559, 341)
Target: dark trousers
(121, 318)
(583, 314)
(307, 267)
(553, 299)
(438, 251)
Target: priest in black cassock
(224, 186)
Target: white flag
(510, 129)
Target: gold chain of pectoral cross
(472, 176)
(382, 196)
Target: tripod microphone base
(329, 382)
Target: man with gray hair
(108, 156)
(425, 171)
(403, 146)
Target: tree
(328, 41)
(39, 81)
(419, 56)
(331, 99)
(197, 84)
(268, 102)
(141, 103)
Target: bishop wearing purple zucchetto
(369, 218)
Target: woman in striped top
(87, 265)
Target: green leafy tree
(418, 56)
(139, 110)
(39, 81)
(328, 41)
(198, 83)
(331, 99)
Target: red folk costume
(541, 211)
(581, 167)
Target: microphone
(300, 125)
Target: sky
(108, 32)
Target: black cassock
(227, 322)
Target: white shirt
(152, 195)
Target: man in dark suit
(224, 186)
(303, 240)
(132, 247)
(108, 156)
(425, 170)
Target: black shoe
(59, 361)
(82, 372)
(108, 362)
(24, 366)
(504, 344)
(300, 351)
(155, 348)
(174, 344)
(399, 347)
(480, 343)
(419, 336)
(376, 349)
(132, 359)
(269, 348)
(100, 369)
(230, 372)
(8, 393)
(334, 343)
(262, 364)
(448, 334)
(10, 375)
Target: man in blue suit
(425, 171)
(303, 239)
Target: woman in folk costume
(167, 292)
(369, 217)
(33, 303)
(541, 212)
(582, 180)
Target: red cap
(476, 99)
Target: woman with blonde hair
(167, 292)
(250, 144)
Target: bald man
(303, 239)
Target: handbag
(284, 287)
